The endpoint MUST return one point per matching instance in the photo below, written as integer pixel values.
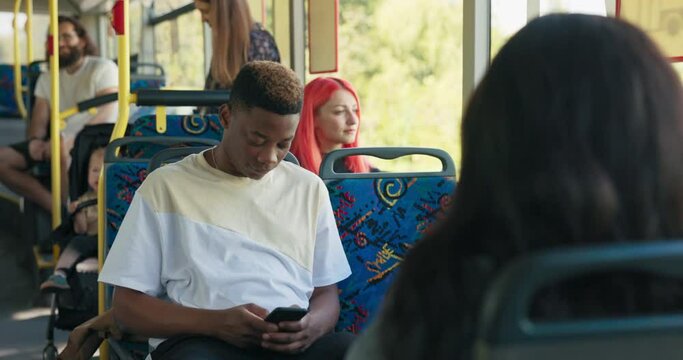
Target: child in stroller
(84, 218)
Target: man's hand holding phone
(288, 314)
(294, 334)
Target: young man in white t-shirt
(213, 243)
(82, 76)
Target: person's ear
(226, 115)
(81, 43)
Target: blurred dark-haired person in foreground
(574, 136)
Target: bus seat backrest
(380, 217)
(8, 103)
(153, 77)
(138, 82)
(122, 180)
(506, 330)
(207, 127)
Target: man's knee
(12, 159)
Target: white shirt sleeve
(107, 76)
(330, 265)
(43, 86)
(134, 260)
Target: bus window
(40, 25)
(135, 15)
(180, 46)
(110, 50)
(678, 66)
(408, 78)
(507, 17)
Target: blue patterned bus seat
(379, 221)
(137, 83)
(207, 127)
(8, 103)
(122, 181)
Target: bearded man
(82, 76)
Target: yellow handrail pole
(29, 31)
(17, 63)
(55, 159)
(124, 75)
(121, 26)
(101, 228)
(66, 113)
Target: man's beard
(75, 53)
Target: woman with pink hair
(330, 120)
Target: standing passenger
(574, 136)
(330, 119)
(213, 243)
(236, 39)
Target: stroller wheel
(50, 352)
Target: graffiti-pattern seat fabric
(137, 83)
(121, 182)
(379, 221)
(206, 127)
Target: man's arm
(104, 111)
(141, 314)
(324, 308)
(37, 129)
(40, 118)
(297, 336)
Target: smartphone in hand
(281, 314)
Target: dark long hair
(230, 32)
(573, 136)
(90, 46)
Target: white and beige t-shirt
(205, 239)
(95, 75)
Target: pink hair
(305, 146)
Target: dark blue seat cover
(380, 218)
(8, 103)
(207, 127)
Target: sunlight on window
(594, 7)
(40, 25)
(508, 16)
(180, 49)
(409, 78)
(678, 66)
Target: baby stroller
(73, 307)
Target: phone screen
(286, 314)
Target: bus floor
(23, 311)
